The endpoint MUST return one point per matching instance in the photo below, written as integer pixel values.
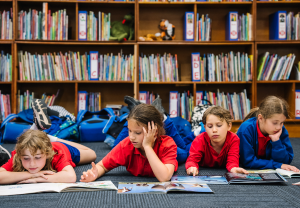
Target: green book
(261, 65)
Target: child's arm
(163, 172)
(95, 172)
(8, 177)
(66, 175)
(196, 154)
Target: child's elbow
(71, 178)
(164, 178)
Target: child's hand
(33, 180)
(149, 137)
(289, 168)
(239, 170)
(192, 171)
(90, 175)
(42, 174)
(275, 137)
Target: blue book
(277, 26)
(231, 32)
(196, 74)
(82, 25)
(143, 96)
(188, 33)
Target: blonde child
(218, 146)
(265, 142)
(145, 152)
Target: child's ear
(229, 126)
(260, 117)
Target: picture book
(56, 187)
(262, 171)
(283, 173)
(200, 179)
(161, 188)
(233, 178)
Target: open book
(284, 173)
(200, 179)
(161, 187)
(56, 187)
(254, 178)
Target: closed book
(231, 32)
(173, 104)
(195, 67)
(143, 96)
(82, 25)
(94, 75)
(277, 26)
(188, 33)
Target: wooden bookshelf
(147, 18)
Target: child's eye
(26, 158)
(219, 125)
(138, 133)
(209, 126)
(38, 158)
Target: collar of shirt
(260, 135)
(207, 139)
(155, 148)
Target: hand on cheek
(150, 136)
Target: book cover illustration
(200, 179)
(254, 178)
(163, 187)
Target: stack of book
(147, 97)
(223, 67)
(238, 104)
(274, 67)
(49, 99)
(204, 28)
(245, 27)
(40, 25)
(93, 28)
(5, 67)
(157, 68)
(6, 24)
(181, 104)
(89, 101)
(24, 100)
(293, 29)
(5, 108)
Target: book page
(29, 188)
(200, 179)
(141, 187)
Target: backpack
(197, 114)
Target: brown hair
(268, 107)
(222, 113)
(144, 113)
(33, 140)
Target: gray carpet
(283, 195)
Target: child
(217, 147)
(183, 144)
(265, 142)
(41, 158)
(146, 152)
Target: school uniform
(203, 154)
(253, 143)
(125, 154)
(65, 155)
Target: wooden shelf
(6, 41)
(180, 42)
(278, 42)
(276, 82)
(72, 1)
(212, 3)
(278, 2)
(5, 83)
(167, 83)
(84, 81)
(73, 42)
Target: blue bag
(91, 124)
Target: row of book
(73, 66)
(223, 67)
(5, 108)
(181, 104)
(147, 97)
(239, 27)
(91, 28)
(237, 103)
(193, 0)
(203, 28)
(5, 67)
(275, 67)
(6, 24)
(43, 25)
(108, 0)
(89, 101)
(157, 68)
(293, 28)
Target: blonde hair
(268, 107)
(144, 113)
(218, 111)
(33, 140)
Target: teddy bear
(122, 30)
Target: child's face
(271, 125)
(33, 163)
(136, 133)
(216, 129)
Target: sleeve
(122, 135)
(282, 151)
(61, 162)
(169, 154)
(115, 157)
(189, 138)
(233, 154)
(8, 166)
(248, 158)
(196, 153)
(172, 132)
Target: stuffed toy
(122, 30)
(168, 30)
(151, 37)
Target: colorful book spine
(297, 106)
(232, 26)
(188, 33)
(277, 26)
(82, 25)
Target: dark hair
(144, 113)
(222, 113)
(268, 107)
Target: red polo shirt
(125, 154)
(61, 159)
(203, 154)
(262, 143)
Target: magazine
(200, 179)
(161, 188)
(254, 178)
(284, 173)
(56, 187)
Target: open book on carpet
(284, 173)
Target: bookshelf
(147, 17)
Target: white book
(290, 67)
(271, 67)
(280, 77)
(173, 104)
(288, 174)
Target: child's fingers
(93, 165)
(43, 176)
(48, 172)
(91, 173)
